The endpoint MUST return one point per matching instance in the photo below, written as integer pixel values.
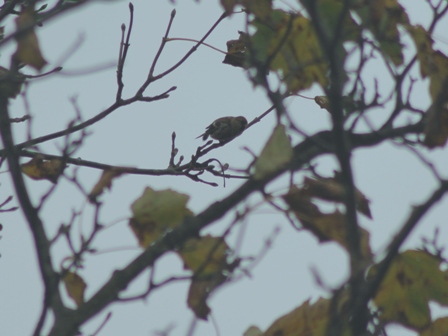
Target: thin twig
(150, 77)
(124, 47)
(193, 40)
(101, 326)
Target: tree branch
(42, 245)
(191, 226)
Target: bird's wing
(220, 123)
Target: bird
(225, 129)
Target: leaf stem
(196, 41)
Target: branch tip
(131, 7)
(173, 13)
(173, 136)
(123, 26)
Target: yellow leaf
(75, 287)
(28, 50)
(105, 182)
(155, 212)
(437, 328)
(276, 153)
(413, 279)
(207, 258)
(308, 319)
(207, 254)
(38, 169)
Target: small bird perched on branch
(225, 129)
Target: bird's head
(242, 121)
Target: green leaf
(286, 43)
(155, 212)
(382, 18)
(413, 280)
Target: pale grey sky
(140, 135)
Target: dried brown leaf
(38, 168)
(105, 182)
(28, 50)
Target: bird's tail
(204, 136)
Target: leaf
(323, 102)
(198, 293)
(306, 320)
(39, 169)
(348, 103)
(28, 50)
(436, 127)
(207, 254)
(382, 18)
(433, 64)
(253, 331)
(326, 227)
(286, 43)
(155, 212)
(333, 227)
(331, 189)
(229, 5)
(207, 258)
(437, 328)
(105, 182)
(424, 47)
(413, 279)
(330, 12)
(236, 51)
(75, 287)
(10, 83)
(276, 153)
(260, 8)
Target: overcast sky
(140, 135)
